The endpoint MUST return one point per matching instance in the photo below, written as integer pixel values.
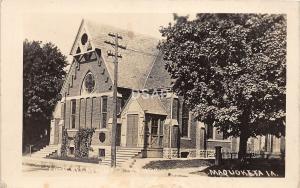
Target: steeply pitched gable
(141, 61)
(137, 59)
(82, 42)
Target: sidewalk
(51, 167)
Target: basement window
(101, 153)
(71, 150)
(184, 154)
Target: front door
(132, 130)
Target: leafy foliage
(43, 72)
(231, 70)
(65, 143)
(82, 141)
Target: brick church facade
(151, 117)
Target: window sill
(72, 130)
(185, 138)
(102, 129)
(215, 140)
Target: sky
(61, 29)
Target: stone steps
(123, 155)
(46, 151)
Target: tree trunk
(243, 145)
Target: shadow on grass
(250, 168)
(84, 160)
(172, 164)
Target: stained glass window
(89, 83)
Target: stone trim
(91, 95)
(186, 138)
(215, 140)
(170, 153)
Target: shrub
(82, 142)
(65, 143)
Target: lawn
(172, 164)
(85, 160)
(250, 168)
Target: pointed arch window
(185, 127)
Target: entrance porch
(144, 126)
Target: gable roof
(152, 105)
(137, 59)
(158, 76)
(67, 80)
(141, 65)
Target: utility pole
(115, 54)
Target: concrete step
(127, 154)
(118, 161)
(123, 155)
(129, 150)
(49, 147)
(44, 152)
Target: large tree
(231, 70)
(43, 72)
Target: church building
(152, 120)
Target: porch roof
(152, 105)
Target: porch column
(145, 130)
(145, 145)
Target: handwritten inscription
(242, 173)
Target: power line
(115, 44)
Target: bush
(82, 142)
(65, 143)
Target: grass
(172, 164)
(84, 160)
(267, 167)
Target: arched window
(88, 84)
(185, 121)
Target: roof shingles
(137, 59)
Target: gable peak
(82, 42)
